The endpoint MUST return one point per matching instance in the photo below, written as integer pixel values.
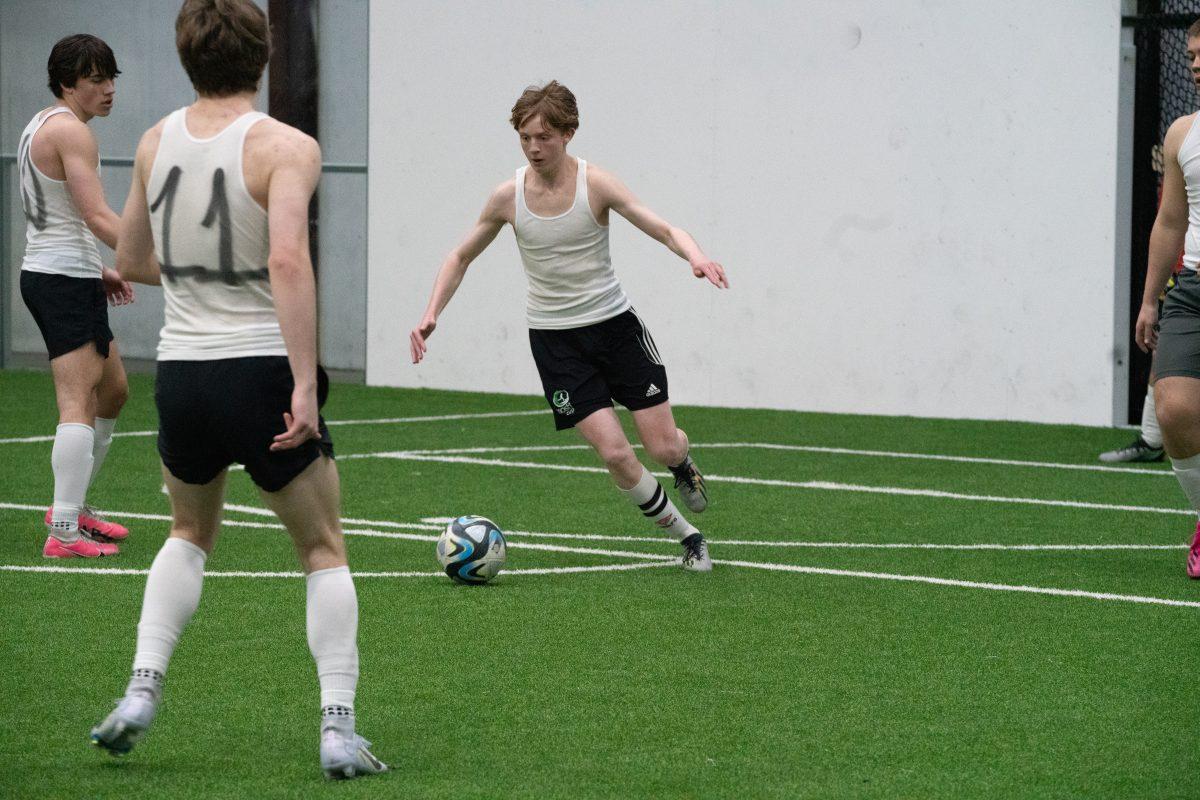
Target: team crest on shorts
(562, 402)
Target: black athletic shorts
(214, 413)
(585, 369)
(70, 312)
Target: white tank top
(210, 237)
(1189, 162)
(57, 240)
(571, 278)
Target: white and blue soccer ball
(472, 550)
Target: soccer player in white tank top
(1175, 337)
(213, 271)
(582, 325)
(63, 285)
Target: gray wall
(152, 83)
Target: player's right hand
(1145, 334)
(416, 339)
(303, 421)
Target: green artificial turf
(751, 682)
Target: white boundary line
(1006, 462)
(427, 525)
(328, 422)
(655, 560)
(996, 587)
(407, 455)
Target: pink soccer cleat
(1193, 561)
(82, 547)
(95, 526)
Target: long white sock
(71, 460)
(104, 437)
(1151, 433)
(1187, 471)
(172, 595)
(333, 634)
(649, 496)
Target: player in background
(1174, 336)
(220, 199)
(590, 346)
(65, 286)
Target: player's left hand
(119, 292)
(713, 271)
(302, 423)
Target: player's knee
(1175, 413)
(617, 456)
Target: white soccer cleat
(347, 756)
(126, 725)
(690, 485)
(695, 554)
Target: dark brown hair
(223, 45)
(553, 101)
(80, 55)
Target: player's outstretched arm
(451, 273)
(1167, 236)
(615, 195)
(135, 242)
(76, 146)
(296, 168)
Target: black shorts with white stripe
(585, 369)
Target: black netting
(1164, 92)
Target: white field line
(245, 574)
(405, 455)
(656, 560)
(1005, 462)
(996, 587)
(600, 537)
(329, 422)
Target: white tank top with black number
(210, 237)
(57, 240)
(571, 278)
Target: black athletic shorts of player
(70, 312)
(585, 369)
(215, 413)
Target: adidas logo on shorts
(653, 390)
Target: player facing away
(220, 198)
(1174, 336)
(590, 346)
(64, 285)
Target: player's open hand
(416, 339)
(302, 423)
(713, 271)
(1145, 334)
(119, 292)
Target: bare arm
(451, 273)
(1167, 236)
(291, 185)
(77, 148)
(135, 245)
(615, 195)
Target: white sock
(333, 634)
(1187, 471)
(104, 436)
(172, 595)
(1151, 433)
(71, 460)
(649, 496)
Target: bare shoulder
(502, 202)
(148, 144)
(66, 132)
(1178, 132)
(278, 144)
(603, 184)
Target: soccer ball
(471, 550)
